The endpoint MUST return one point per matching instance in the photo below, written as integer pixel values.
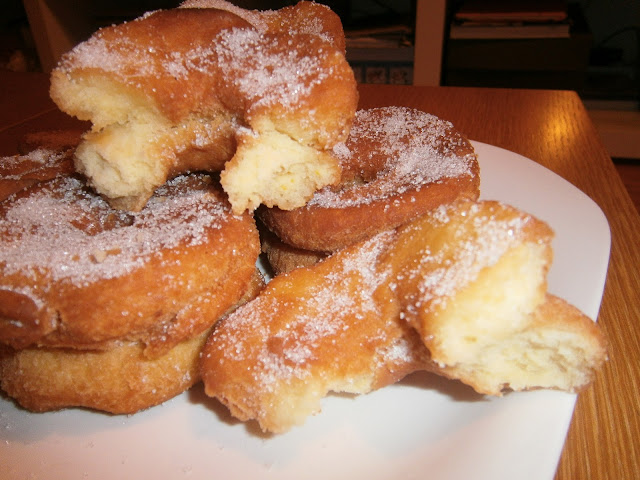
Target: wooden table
(552, 128)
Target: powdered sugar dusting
(67, 233)
(418, 148)
(326, 310)
(480, 241)
(18, 167)
(266, 69)
(265, 75)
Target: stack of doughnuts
(96, 302)
(128, 256)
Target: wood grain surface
(553, 129)
(629, 171)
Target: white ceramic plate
(423, 427)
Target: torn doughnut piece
(330, 327)
(262, 96)
(472, 280)
(460, 291)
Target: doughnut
(120, 380)
(283, 258)
(397, 163)
(329, 327)
(261, 96)
(76, 273)
(471, 278)
(18, 172)
(460, 291)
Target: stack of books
(510, 19)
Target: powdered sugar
(289, 333)
(254, 17)
(123, 57)
(419, 149)
(264, 71)
(18, 167)
(69, 234)
(480, 240)
(265, 75)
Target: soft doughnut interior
(273, 169)
(557, 347)
(491, 308)
(125, 157)
(472, 281)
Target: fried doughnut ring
(120, 380)
(76, 273)
(263, 96)
(397, 163)
(329, 327)
(471, 279)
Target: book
(532, 11)
(509, 30)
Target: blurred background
(589, 46)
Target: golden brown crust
(329, 327)
(471, 279)
(68, 260)
(120, 380)
(397, 163)
(21, 171)
(170, 92)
